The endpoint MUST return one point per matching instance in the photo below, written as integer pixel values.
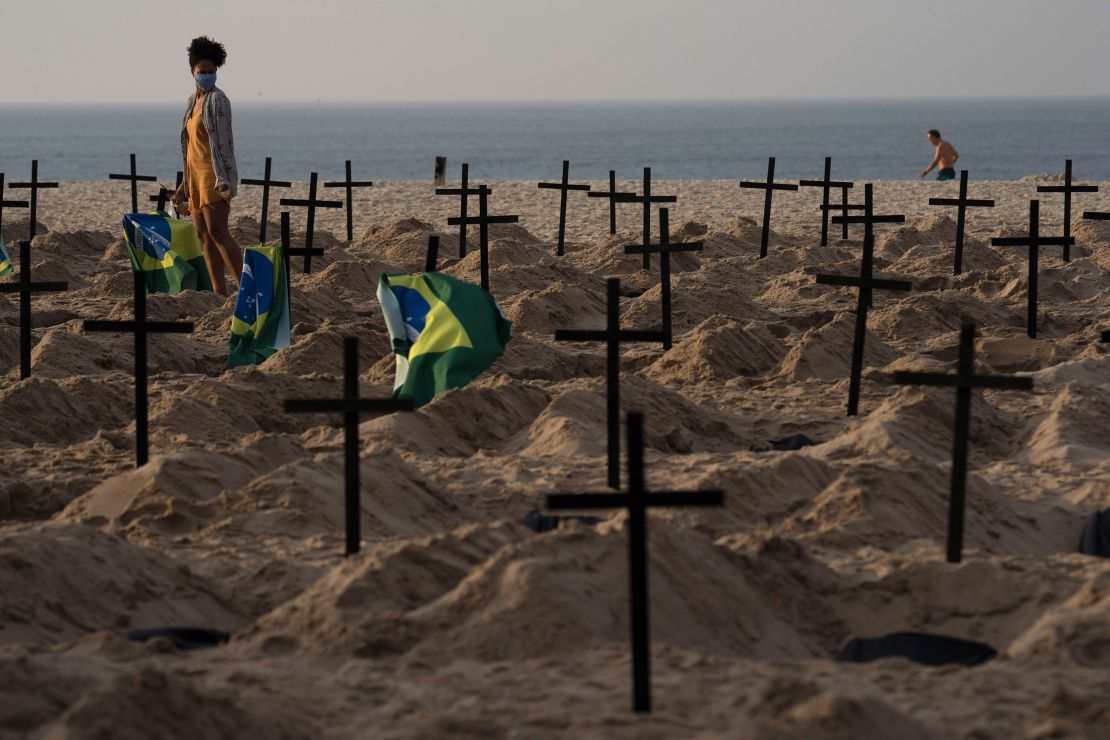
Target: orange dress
(202, 178)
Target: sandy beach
(457, 621)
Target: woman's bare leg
(212, 256)
(216, 216)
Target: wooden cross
(962, 204)
(34, 186)
(637, 500)
(1087, 215)
(351, 406)
(135, 180)
(563, 187)
(769, 188)
(464, 191)
(483, 220)
(140, 327)
(665, 248)
(266, 184)
(613, 197)
(288, 250)
(646, 199)
(963, 381)
(164, 195)
(1033, 241)
(845, 209)
(7, 203)
(349, 184)
(25, 287)
(1067, 189)
(826, 184)
(865, 283)
(433, 254)
(311, 203)
(612, 335)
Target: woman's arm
(223, 147)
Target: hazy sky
(402, 50)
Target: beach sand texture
(455, 620)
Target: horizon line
(596, 101)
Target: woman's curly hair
(202, 48)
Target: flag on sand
(5, 260)
(445, 332)
(167, 251)
(260, 322)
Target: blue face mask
(205, 82)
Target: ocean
(868, 140)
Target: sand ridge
(455, 620)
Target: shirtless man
(945, 156)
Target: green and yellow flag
(5, 260)
(167, 251)
(260, 322)
(445, 332)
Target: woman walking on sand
(208, 157)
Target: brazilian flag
(445, 332)
(5, 260)
(260, 322)
(167, 251)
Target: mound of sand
(456, 619)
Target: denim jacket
(216, 116)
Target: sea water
(868, 140)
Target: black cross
(349, 184)
(613, 197)
(865, 283)
(1088, 215)
(963, 381)
(665, 248)
(646, 199)
(140, 327)
(311, 204)
(266, 184)
(612, 335)
(1067, 189)
(962, 204)
(483, 220)
(288, 251)
(826, 184)
(34, 186)
(1033, 241)
(637, 500)
(135, 180)
(160, 199)
(351, 406)
(845, 209)
(563, 187)
(433, 254)
(26, 288)
(769, 188)
(7, 203)
(164, 195)
(464, 191)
